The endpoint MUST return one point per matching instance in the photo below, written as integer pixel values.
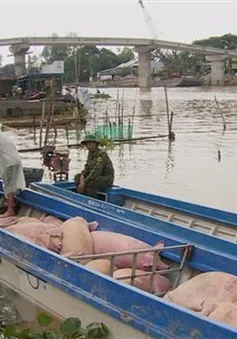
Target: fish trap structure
(112, 131)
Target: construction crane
(148, 20)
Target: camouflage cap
(90, 138)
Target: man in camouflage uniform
(98, 173)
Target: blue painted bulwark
(143, 311)
(118, 196)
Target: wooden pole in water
(37, 149)
(41, 123)
(50, 112)
(94, 118)
(34, 129)
(169, 117)
(117, 106)
(67, 136)
(222, 115)
(167, 108)
(55, 132)
(134, 111)
(122, 124)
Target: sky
(182, 21)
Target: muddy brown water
(187, 169)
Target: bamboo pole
(169, 116)
(34, 129)
(55, 132)
(117, 106)
(116, 141)
(167, 109)
(134, 108)
(50, 112)
(67, 136)
(41, 122)
(76, 115)
(222, 115)
(94, 116)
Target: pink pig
(4, 222)
(105, 242)
(50, 219)
(161, 284)
(205, 291)
(39, 233)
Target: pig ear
(54, 232)
(160, 244)
(93, 225)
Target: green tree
(55, 52)
(181, 63)
(8, 69)
(107, 59)
(125, 55)
(81, 62)
(226, 41)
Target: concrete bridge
(144, 47)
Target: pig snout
(148, 260)
(56, 244)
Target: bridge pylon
(19, 51)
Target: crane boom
(148, 20)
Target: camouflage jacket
(98, 164)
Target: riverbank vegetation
(69, 329)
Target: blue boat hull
(140, 310)
(151, 209)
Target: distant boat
(183, 81)
(19, 107)
(189, 81)
(31, 122)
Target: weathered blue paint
(156, 317)
(182, 206)
(207, 247)
(137, 219)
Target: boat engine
(57, 160)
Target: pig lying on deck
(105, 242)
(225, 312)
(40, 233)
(204, 292)
(76, 238)
(161, 284)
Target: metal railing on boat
(188, 220)
(186, 253)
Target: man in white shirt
(11, 172)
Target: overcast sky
(176, 20)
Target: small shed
(35, 82)
(6, 83)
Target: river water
(186, 169)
